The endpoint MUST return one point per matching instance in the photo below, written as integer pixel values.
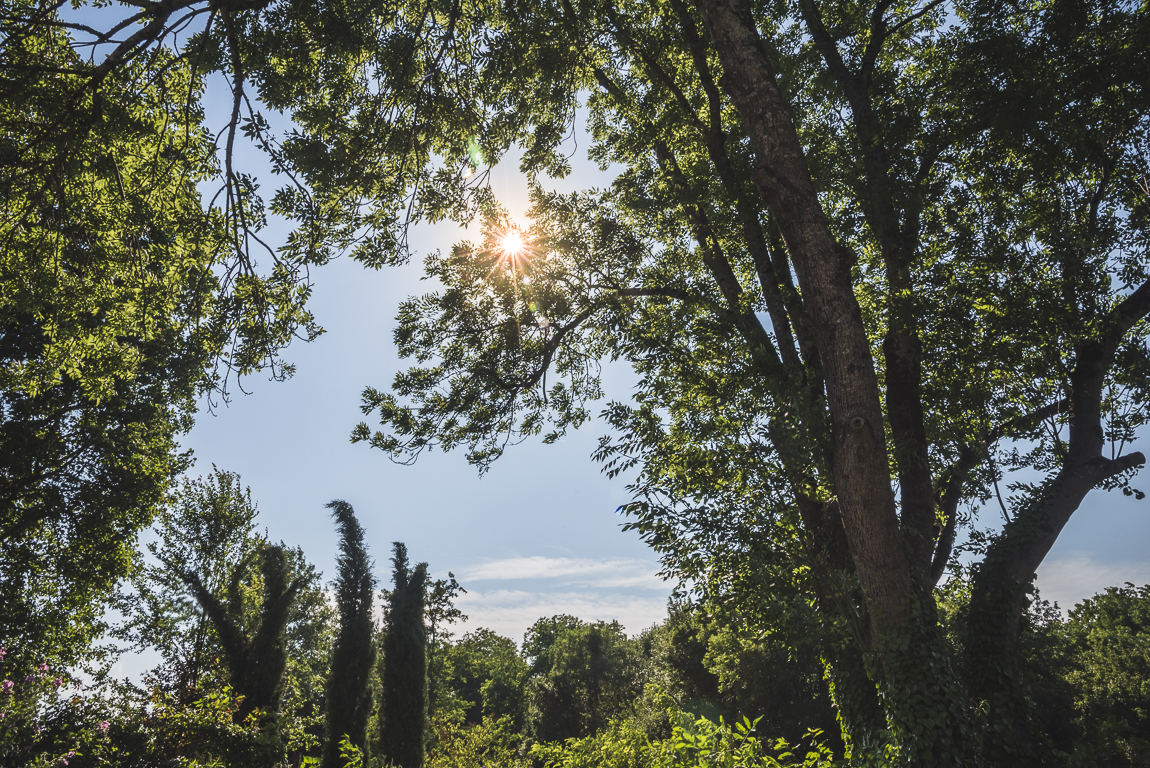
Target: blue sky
(536, 536)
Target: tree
(865, 260)
(403, 700)
(582, 676)
(256, 653)
(1103, 659)
(105, 274)
(123, 297)
(348, 692)
(713, 662)
(209, 530)
(439, 614)
(483, 675)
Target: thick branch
(748, 214)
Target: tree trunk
(906, 651)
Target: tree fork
(861, 477)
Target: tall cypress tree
(348, 695)
(403, 708)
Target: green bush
(694, 743)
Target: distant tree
(583, 675)
(440, 613)
(541, 636)
(403, 704)
(1103, 661)
(352, 658)
(485, 676)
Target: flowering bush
(49, 720)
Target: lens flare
(512, 244)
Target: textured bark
(860, 473)
(902, 350)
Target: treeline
(259, 665)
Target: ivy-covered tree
(403, 698)
(865, 260)
(352, 657)
(865, 257)
(255, 652)
(207, 529)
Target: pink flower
(3, 652)
(57, 682)
(6, 686)
(103, 726)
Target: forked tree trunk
(908, 656)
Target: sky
(537, 535)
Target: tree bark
(908, 655)
(861, 477)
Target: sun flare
(512, 244)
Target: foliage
(209, 530)
(483, 676)
(440, 613)
(490, 742)
(620, 746)
(1105, 664)
(864, 260)
(119, 725)
(353, 655)
(106, 280)
(255, 651)
(693, 743)
(777, 682)
(582, 677)
(403, 697)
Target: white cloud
(1072, 578)
(604, 574)
(510, 612)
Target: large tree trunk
(922, 698)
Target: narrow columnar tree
(348, 695)
(403, 706)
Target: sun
(512, 244)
